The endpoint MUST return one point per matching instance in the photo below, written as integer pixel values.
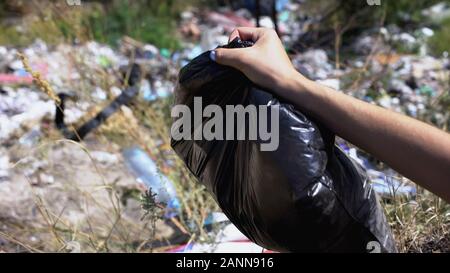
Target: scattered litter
(46, 179)
(211, 38)
(387, 186)
(438, 12)
(32, 137)
(313, 64)
(228, 20)
(146, 172)
(267, 22)
(21, 108)
(104, 157)
(333, 83)
(4, 168)
(99, 94)
(228, 240)
(390, 187)
(15, 79)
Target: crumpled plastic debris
(438, 12)
(228, 240)
(146, 172)
(390, 187)
(313, 64)
(31, 138)
(386, 186)
(104, 157)
(228, 20)
(21, 106)
(4, 168)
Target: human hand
(265, 63)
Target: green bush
(151, 21)
(357, 15)
(440, 41)
(403, 12)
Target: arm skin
(415, 149)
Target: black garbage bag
(305, 196)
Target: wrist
(294, 86)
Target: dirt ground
(62, 193)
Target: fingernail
(212, 55)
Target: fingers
(234, 35)
(246, 33)
(236, 57)
(229, 56)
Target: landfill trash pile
(76, 180)
(37, 163)
(411, 84)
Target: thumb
(228, 56)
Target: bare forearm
(413, 148)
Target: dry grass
(86, 209)
(105, 225)
(38, 80)
(422, 225)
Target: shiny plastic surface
(306, 196)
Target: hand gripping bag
(305, 196)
